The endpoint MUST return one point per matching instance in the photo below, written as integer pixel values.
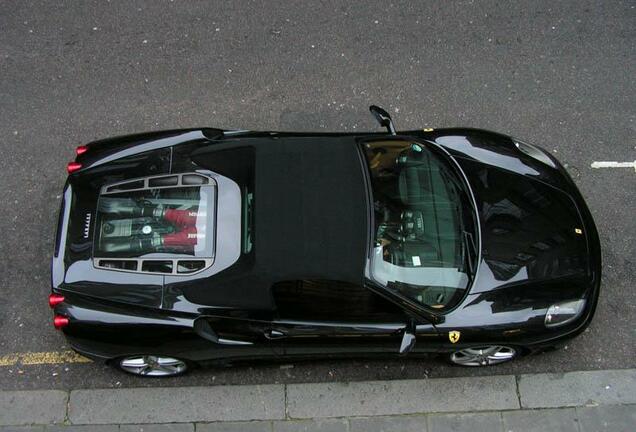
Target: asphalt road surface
(559, 74)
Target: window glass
(424, 224)
(237, 163)
(329, 300)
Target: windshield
(425, 242)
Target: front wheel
(152, 365)
(483, 355)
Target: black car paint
(132, 314)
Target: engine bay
(156, 222)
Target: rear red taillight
(72, 167)
(60, 321)
(80, 150)
(55, 299)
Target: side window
(329, 300)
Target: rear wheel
(483, 355)
(152, 365)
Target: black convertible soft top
(310, 218)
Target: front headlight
(562, 313)
(534, 152)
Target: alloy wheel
(151, 365)
(483, 356)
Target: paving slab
(32, 407)
(35, 428)
(614, 418)
(253, 426)
(553, 420)
(578, 388)
(82, 428)
(401, 397)
(183, 427)
(317, 425)
(469, 422)
(177, 404)
(410, 423)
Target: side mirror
(408, 341)
(383, 118)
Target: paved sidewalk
(576, 401)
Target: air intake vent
(155, 266)
(130, 265)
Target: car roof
(310, 216)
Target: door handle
(272, 334)
(233, 342)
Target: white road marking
(614, 165)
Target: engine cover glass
(156, 222)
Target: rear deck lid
(162, 224)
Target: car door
(324, 318)
(337, 339)
(237, 338)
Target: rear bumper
(88, 349)
(104, 330)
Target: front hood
(530, 231)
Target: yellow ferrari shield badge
(453, 336)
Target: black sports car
(194, 246)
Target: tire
(149, 365)
(485, 355)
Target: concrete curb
(402, 397)
(578, 389)
(27, 407)
(177, 405)
(317, 400)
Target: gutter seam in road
(286, 406)
(68, 408)
(518, 392)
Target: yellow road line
(39, 358)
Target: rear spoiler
(106, 150)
